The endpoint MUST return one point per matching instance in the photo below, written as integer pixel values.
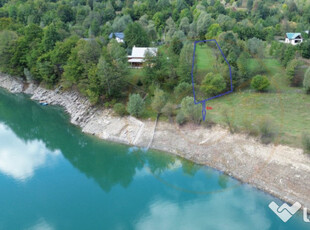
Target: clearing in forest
(211, 73)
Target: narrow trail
(139, 133)
(151, 141)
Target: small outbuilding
(137, 57)
(293, 38)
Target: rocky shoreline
(279, 170)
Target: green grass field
(205, 58)
(290, 112)
(288, 107)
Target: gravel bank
(279, 170)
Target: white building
(293, 38)
(137, 56)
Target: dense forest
(66, 44)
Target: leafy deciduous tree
(256, 47)
(213, 31)
(7, 41)
(112, 68)
(191, 111)
(159, 100)
(135, 35)
(135, 105)
(213, 84)
(185, 63)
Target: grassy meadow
(287, 106)
(290, 112)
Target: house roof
(117, 35)
(139, 60)
(292, 35)
(139, 52)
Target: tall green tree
(93, 88)
(65, 13)
(112, 69)
(7, 45)
(230, 47)
(89, 52)
(256, 47)
(213, 31)
(62, 50)
(191, 111)
(159, 100)
(184, 25)
(156, 68)
(50, 37)
(74, 68)
(27, 50)
(136, 35)
(203, 23)
(185, 63)
(244, 72)
(50, 64)
(135, 105)
(176, 45)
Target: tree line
(66, 42)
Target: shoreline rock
(281, 171)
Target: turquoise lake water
(52, 176)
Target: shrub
(92, 96)
(135, 105)
(182, 89)
(306, 82)
(180, 119)
(268, 130)
(250, 127)
(213, 84)
(120, 109)
(260, 83)
(168, 109)
(107, 104)
(306, 142)
(191, 111)
(229, 120)
(295, 72)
